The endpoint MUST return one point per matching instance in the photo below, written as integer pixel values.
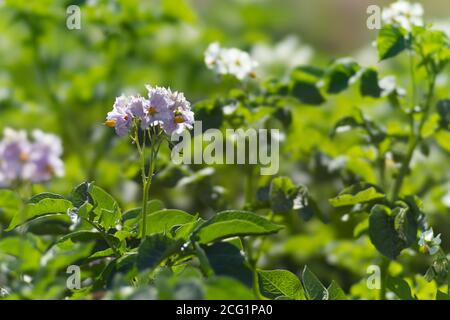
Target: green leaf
(45, 195)
(390, 42)
(304, 85)
(443, 107)
(314, 289)
(210, 113)
(284, 197)
(24, 249)
(280, 283)
(361, 228)
(345, 124)
(185, 231)
(105, 207)
(82, 236)
(335, 292)
(442, 296)
(10, 204)
(132, 217)
(163, 221)
(56, 224)
(430, 126)
(443, 139)
(282, 193)
(101, 254)
(354, 195)
(400, 287)
(154, 250)
(228, 224)
(406, 225)
(80, 194)
(227, 260)
(339, 74)
(226, 288)
(35, 210)
(370, 84)
(383, 233)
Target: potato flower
(429, 242)
(231, 61)
(404, 14)
(36, 161)
(163, 108)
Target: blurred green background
(65, 81)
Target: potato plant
(356, 211)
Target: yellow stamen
(179, 119)
(50, 169)
(110, 123)
(423, 249)
(23, 157)
(152, 110)
(252, 74)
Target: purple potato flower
(14, 155)
(169, 110)
(45, 158)
(34, 161)
(120, 117)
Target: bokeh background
(65, 81)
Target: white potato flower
(429, 242)
(404, 14)
(230, 61)
(288, 54)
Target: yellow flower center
(423, 249)
(110, 123)
(179, 119)
(152, 110)
(23, 157)
(50, 169)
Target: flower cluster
(287, 54)
(34, 161)
(404, 14)
(230, 61)
(429, 242)
(164, 108)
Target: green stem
(448, 276)
(252, 261)
(144, 205)
(155, 143)
(414, 142)
(249, 186)
(385, 263)
(104, 236)
(413, 79)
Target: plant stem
(414, 142)
(144, 205)
(249, 186)
(385, 263)
(252, 262)
(155, 143)
(104, 236)
(413, 79)
(448, 276)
